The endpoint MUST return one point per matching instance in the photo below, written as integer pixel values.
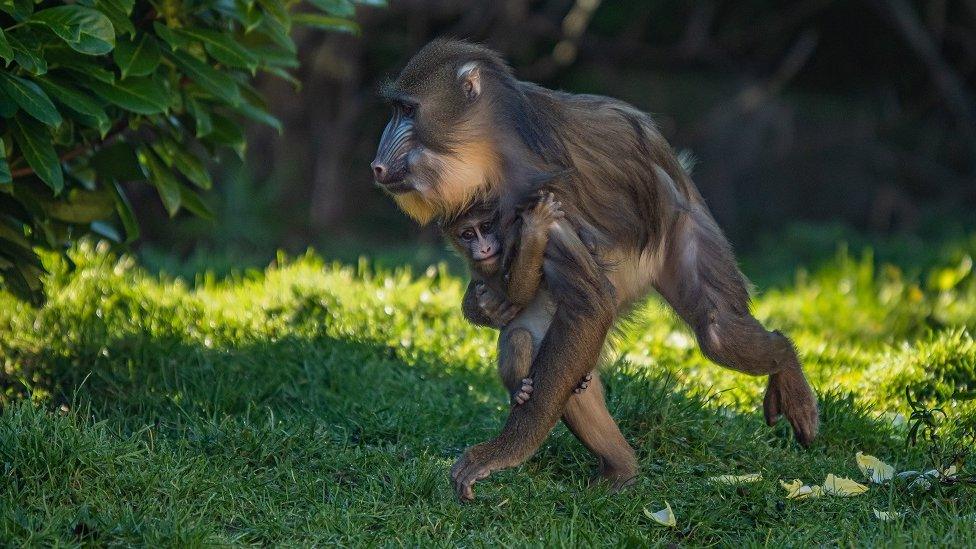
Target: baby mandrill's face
(478, 239)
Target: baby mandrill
(500, 296)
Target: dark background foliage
(857, 112)
(100, 99)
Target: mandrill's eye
(407, 109)
(467, 234)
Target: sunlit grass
(316, 402)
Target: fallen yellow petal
(887, 515)
(798, 490)
(840, 486)
(736, 479)
(664, 517)
(873, 468)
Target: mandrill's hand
(545, 214)
(498, 309)
(477, 463)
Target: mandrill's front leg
(569, 351)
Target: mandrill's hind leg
(587, 417)
(702, 282)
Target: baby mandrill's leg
(514, 361)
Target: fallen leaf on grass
(887, 515)
(840, 486)
(664, 517)
(798, 490)
(736, 479)
(873, 468)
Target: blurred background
(814, 122)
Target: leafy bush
(97, 93)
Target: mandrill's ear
(470, 77)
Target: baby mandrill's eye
(467, 235)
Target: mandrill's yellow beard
(464, 178)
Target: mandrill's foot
(615, 477)
(789, 394)
(524, 393)
(476, 464)
(583, 384)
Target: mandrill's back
(614, 151)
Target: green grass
(316, 403)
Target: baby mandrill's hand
(545, 214)
(499, 310)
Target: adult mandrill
(464, 127)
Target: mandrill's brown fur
(464, 127)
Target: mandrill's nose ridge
(380, 171)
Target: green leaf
(140, 95)
(19, 253)
(177, 157)
(248, 14)
(137, 57)
(174, 40)
(5, 178)
(86, 30)
(27, 51)
(201, 116)
(284, 75)
(277, 33)
(339, 8)
(325, 22)
(278, 12)
(31, 98)
(226, 132)
(64, 58)
(105, 229)
(221, 47)
(34, 141)
(20, 284)
(126, 215)
(192, 201)
(81, 206)
(118, 12)
(210, 79)
(254, 107)
(6, 51)
(166, 184)
(7, 105)
(19, 9)
(204, 124)
(79, 102)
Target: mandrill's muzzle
(390, 167)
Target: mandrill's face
(431, 158)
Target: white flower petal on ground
(840, 486)
(664, 517)
(873, 468)
(736, 479)
(887, 515)
(798, 490)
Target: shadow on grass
(365, 394)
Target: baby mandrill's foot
(523, 394)
(583, 384)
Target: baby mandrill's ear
(469, 76)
